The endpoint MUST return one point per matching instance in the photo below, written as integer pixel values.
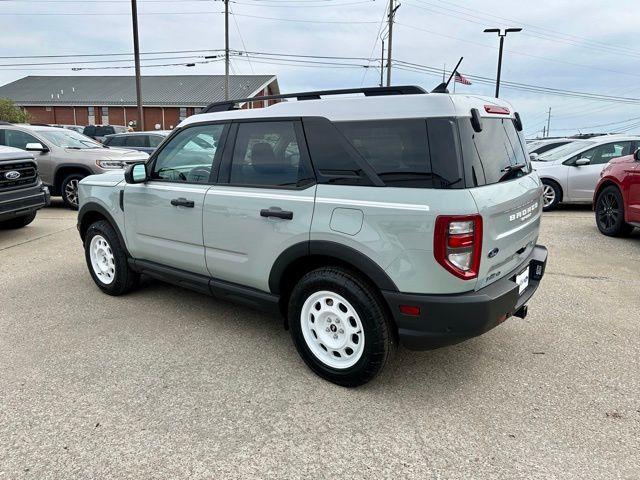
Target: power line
(349, 22)
(74, 55)
(556, 35)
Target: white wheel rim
(71, 192)
(102, 259)
(332, 329)
(548, 195)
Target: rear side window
(267, 154)
(493, 155)
(408, 152)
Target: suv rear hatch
(507, 194)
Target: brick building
(167, 99)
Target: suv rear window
(491, 155)
(408, 152)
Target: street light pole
(501, 33)
(136, 55)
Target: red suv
(617, 196)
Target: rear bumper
(448, 319)
(16, 203)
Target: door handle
(276, 212)
(182, 202)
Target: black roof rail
(367, 91)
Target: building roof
(157, 90)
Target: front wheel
(107, 260)
(339, 326)
(69, 189)
(551, 195)
(610, 213)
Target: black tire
(551, 188)
(19, 222)
(69, 190)
(378, 341)
(609, 211)
(124, 279)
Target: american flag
(461, 79)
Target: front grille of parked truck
(27, 174)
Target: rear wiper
(511, 169)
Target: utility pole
(392, 14)
(226, 49)
(544, 132)
(501, 33)
(136, 55)
(382, 65)
(549, 122)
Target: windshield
(564, 151)
(69, 139)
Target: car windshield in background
(69, 139)
(496, 154)
(564, 151)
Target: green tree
(10, 112)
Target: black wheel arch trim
(93, 207)
(324, 248)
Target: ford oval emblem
(12, 175)
(493, 252)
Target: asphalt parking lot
(166, 383)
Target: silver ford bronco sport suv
(22, 193)
(392, 216)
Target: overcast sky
(586, 46)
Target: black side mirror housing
(636, 155)
(135, 173)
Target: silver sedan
(570, 173)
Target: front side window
(267, 154)
(18, 139)
(155, 140)
(189, 156)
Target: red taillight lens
(458, 244)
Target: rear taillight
(458, 244)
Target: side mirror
(136, 173)
(581, 162)
(636, 155)
(533, 157)
(36, 147)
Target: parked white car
(570, 173)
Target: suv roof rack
(316, 95)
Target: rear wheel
(107, 260)
(610, 213)
(339, 326)
(19, 222)
(69, 189)
(551, 195)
